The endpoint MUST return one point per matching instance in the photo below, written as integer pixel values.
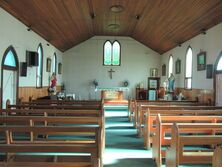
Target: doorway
(9, 77)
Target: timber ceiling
(159, 24)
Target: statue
(171, 81)
(52, 88)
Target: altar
(114, 93)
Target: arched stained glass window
(219, 64)
(10, 59)
(170, 65)
(116, 54)
(107, 53)
(111, 55)
(54, 63)
(40, 67)
(188, 74)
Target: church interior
(113, 83)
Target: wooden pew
(131, 105)
(70, 107)
(141, 108)
(176, 155)
(97, 114)
(217, 157)
(164, 124)
(51, 145)
(150, 118)
(53, 112)
(62, 102)
(136, 103)
(84, 106)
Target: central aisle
(123, 147)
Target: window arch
(219, 64)
(39, 71)
(188, 70)
(9, 76)
(111, 53)
(170, 66)
(54, 63)
(116, 53)
(10, 60)
(107, 53)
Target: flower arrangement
(125, 83)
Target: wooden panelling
(26, 92)
(204, 96)
(160, 25)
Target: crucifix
(111, 73)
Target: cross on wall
(111, 73)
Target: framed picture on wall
(153, 82)
(60, 68)
(164, 70)
(48, 65)
(153, 72)
(201, 61)
(209, 71)
(178, 66)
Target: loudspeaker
(23, 69)
(32, 58)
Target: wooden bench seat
(55, 117)
(62, 102)
(175, 155)
(33, 146)
(141, 110)
(46, 164)
(52, 106)
(150, 118)
(164, 125)
(134, 104)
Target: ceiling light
(203, 31)
(113, 26)
(92, 15)
(137, 17)
(29, 28)
(116, 8)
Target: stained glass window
(39, 68)
(219, 65)
(10, 59)
(107, 53)
(188, 74)
(111, 53)
(54, 63)
(170, 65)
(116, 54)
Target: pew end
(217, 157)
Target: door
(9, 87)
(9, 77)
(218, 89)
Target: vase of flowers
(125, 83)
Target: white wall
(211, 43)
(84, 63)
(13, 32)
